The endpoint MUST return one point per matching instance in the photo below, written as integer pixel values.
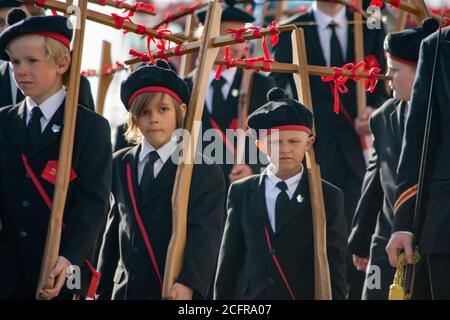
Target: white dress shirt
(164, 154)
(323, 20)
(48, 107)
(272, 191)
(228, 75)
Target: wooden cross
(105, 79)
(53, 239)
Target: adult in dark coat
(372, 223)
(432, 236)
(338, 147)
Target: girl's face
(36, 75)
(158, 120)
(403, 77)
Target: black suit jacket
(372, 223)
(261, 85)
(434, 225)
(124, 262)
(338, 146)
(85, 95)
(24, 213)
(246, 269)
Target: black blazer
(372, 223)
(433, 235)
(24, 213)
(246, 269)
(85, 95)
(261, 85)
(338, 146)
(124, 262)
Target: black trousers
(432, 279)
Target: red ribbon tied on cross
(112, 69)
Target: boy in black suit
(133, 255)
(30, 137)
(267, 247)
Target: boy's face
(36, 75)
(403, 77)
(286, 149)
(158, 120)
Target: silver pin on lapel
(300, 198)
(235, 92)
(56, 128)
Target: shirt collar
(164, 152)
(323, 20)
(49, 106)
(291, 182)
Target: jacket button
(23, 234)
(270, 281)
(25, 203)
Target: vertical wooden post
(53, 240)
(186, 60)
(180, 195)
(322, 285)
(104, 80)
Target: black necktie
(218, 101)
(34, 126)
(336, 56)
(281, 203)
(148, 174)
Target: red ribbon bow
(339, 85)
(274, 33)
(230, 63)
(112, 69)
(371, 82)
(142, 56)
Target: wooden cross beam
(53, 240)
(186, 60)
(106, 20)
(180, 195)
(123, 5)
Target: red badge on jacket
(49, 173)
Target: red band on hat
(56, 36)
(154, 89)
(289, 127)
(404, 61)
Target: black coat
(338, 146)
(261, 85)
(372, 223)
(434, 235)
(85, 95)
(23, 212)
(124, 262)
(246, 269)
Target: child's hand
(240, 171)
(59, 272)
(180, 292)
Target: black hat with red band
(154, 78)
(55, 27)
(281, 113)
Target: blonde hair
(132, 133)
(55, 52)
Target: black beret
(229, 13)
(55, 27)
(404, 46)
(281, 113)
(154, 78)
(10, 4)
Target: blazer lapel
(132, 158)
(397, 121)
(52, 131)
(258, 201)
(297, 204)
(16, 129)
